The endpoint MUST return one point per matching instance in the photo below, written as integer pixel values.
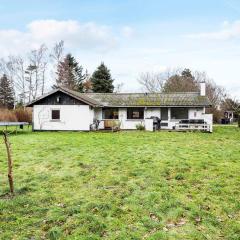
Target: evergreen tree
(102, 81)
(70, 74)
(6, 92)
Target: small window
(135, 113)
(110, 113)
(55, 114)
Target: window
(135, 113)
(179, 113)
(55, 114)
(164, 113)
(110, 113)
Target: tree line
(24, 78)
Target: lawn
(126, 185)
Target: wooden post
(10, 162)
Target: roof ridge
(141, 93)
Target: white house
(64, 109)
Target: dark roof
(150, 99)
(135, 99)
(79, 96)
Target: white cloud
(228, 31)
(128, 53)
(75, 34)
(127, 31)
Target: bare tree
(215, 93)
(155, 82)
(57, 52)
(152, 82)
(38, 61)
(29, 79)
(56, 57)
(29, 73)
(118, 88)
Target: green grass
(127, 185)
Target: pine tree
(70, 74)
(6, 92)
(102, 81)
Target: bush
(140, 127)
(18, 115)
(23, 115)
(7, 115)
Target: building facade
(64, 109)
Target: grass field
(127, 185)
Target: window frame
(177, 108)
(55, 119)
(111, 108)
(141, 116)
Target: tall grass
(17, 115)
(23, 115)
(7, 115)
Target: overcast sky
(131, 36)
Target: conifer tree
(6, 92)
(102, 81)
(70, 74)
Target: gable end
(58, 98)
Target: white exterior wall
(196, 113)
(127, 123)
(193, 113)
(152, 112)
(72, 117)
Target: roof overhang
(155, 106)
(84, 99)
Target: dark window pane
(110, 113)
(135, 113)
(55, 114)
(179, 113)
(164, 113)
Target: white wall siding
(196, 113)
(72, 117)
(152, 112)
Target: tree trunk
(10, 163)
(239, 120)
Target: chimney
(202, 89)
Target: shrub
(140, 127)
(23, 115)
(7, 115)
